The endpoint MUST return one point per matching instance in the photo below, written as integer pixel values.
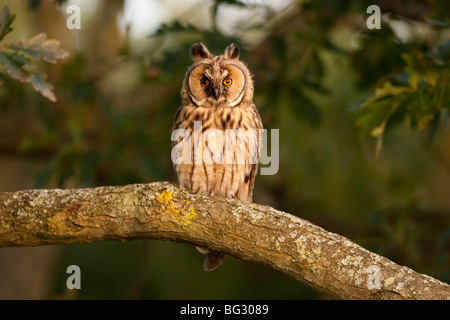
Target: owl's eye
(227, 81)
(204, 82)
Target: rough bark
(325, 261)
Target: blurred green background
(362, 114)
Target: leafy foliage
(18, 59)
(419, 93)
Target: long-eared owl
(216, 132)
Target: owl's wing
(253, 146)
(245, 191)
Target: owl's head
(217, 80)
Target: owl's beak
(217, 92)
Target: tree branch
(325, 261)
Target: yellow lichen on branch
(181, 216)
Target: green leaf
(380, 109)
(431, 77)
(387, 90)
(39, 47)
(6, 20)
(414, 78)
(16, 59)
(373, 122)
(39, 84)
(14, 67)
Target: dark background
(356, 157)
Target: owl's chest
(218, 129)
(221, 118)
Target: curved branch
(325, 261)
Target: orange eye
(204, 82)
(227, 81)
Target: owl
(217, 130)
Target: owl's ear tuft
(232, 52)
(199, 51)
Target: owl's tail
(213, 259)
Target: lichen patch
(182, 215)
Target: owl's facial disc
(214, 84)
